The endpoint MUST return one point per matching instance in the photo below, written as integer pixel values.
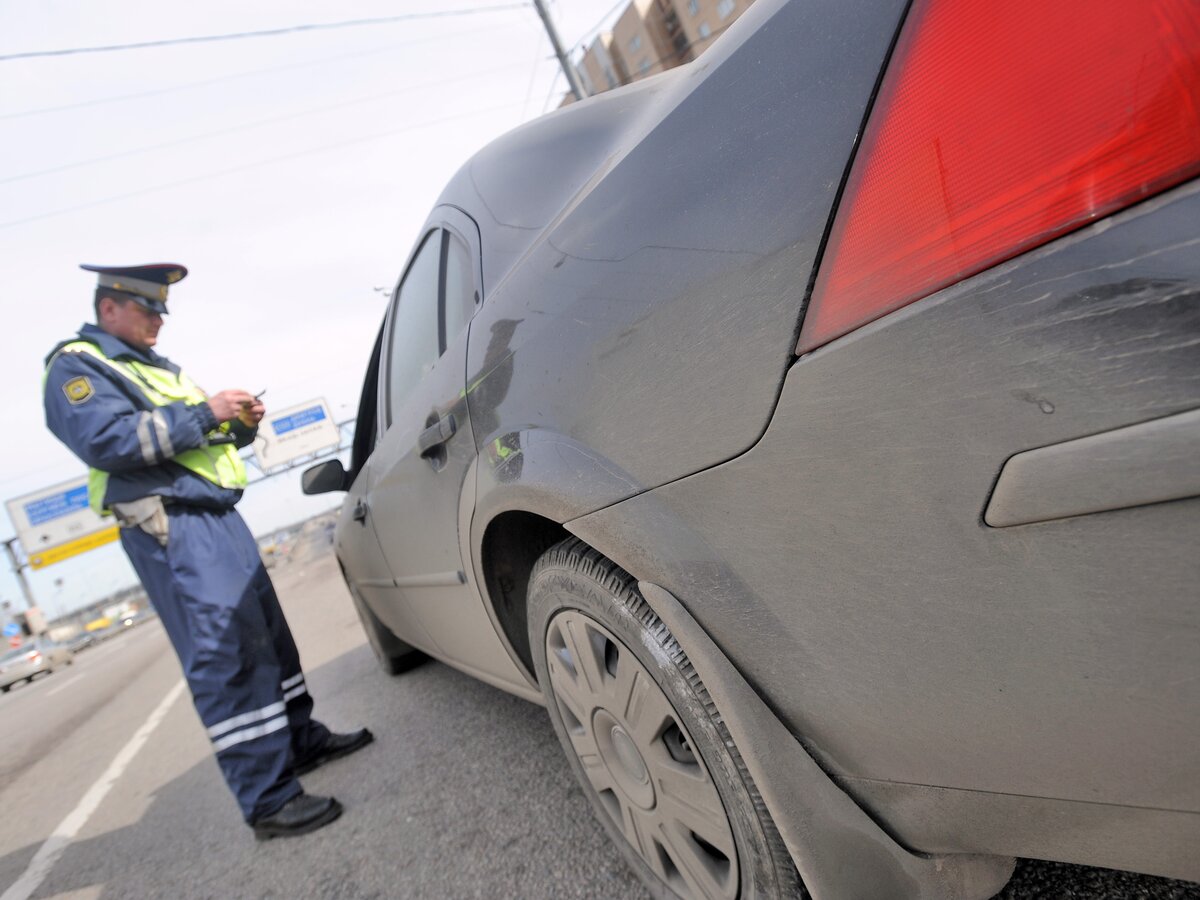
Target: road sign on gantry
(56, 523)
(295, 432)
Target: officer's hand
(251, 413)
(228, 404)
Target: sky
(289, 173)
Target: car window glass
(413, 348)
(365, 428)
(460, 287)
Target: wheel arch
(511, 544)
(528, 484)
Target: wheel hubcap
(623, 760)
(639, 759)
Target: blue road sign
(300, 419)
(57, 505)
(12, 629)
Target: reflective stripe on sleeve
(291, 682)
(144, 439)
(294, 693)
(163, 433)
(245, 719)
(250, 734)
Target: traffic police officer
(163, 460)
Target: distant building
(601, 70)
(641, 37)
(651, 36)
(701, 21)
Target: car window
(414, 346)
(365, 432)
(14, 654)
(460, 286)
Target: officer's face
(133, 324)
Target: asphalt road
(46, 712)
(464, 794)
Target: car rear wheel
(394, 655)
(644, 738)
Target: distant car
(81, 641)
(813, 429)
(139, 617)
(33, 658)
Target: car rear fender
(838, 849)
(527, 483)
(847, 567)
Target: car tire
(393, 654)
(642, 734)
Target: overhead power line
(154, 189)
(600, 23)
(247, 126)
(250, 73)
(564, 59)
(537, 64)
(550, 96)
(271, 32)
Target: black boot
(300, 815)
(335, 746)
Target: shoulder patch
(78, 390)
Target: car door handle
(433, 437)
(359, 513)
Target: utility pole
(18, 568)
(563, 59)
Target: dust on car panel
(832, 486)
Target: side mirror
(325, 477)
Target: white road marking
(63, 685)
(43, 861)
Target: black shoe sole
(266, 832)
(318, 761)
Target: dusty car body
(936, 571)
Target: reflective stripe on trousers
(220, 611)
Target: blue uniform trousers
(220, 610)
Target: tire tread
(578, 556)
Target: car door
(367, 573)
(419, 492)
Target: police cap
(146, 285)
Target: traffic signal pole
(565, 61)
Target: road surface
(465, 793)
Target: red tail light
(998, 127)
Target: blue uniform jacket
(102, 428)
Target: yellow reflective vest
(219, 464)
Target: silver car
(813, 430)
(31, 659)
